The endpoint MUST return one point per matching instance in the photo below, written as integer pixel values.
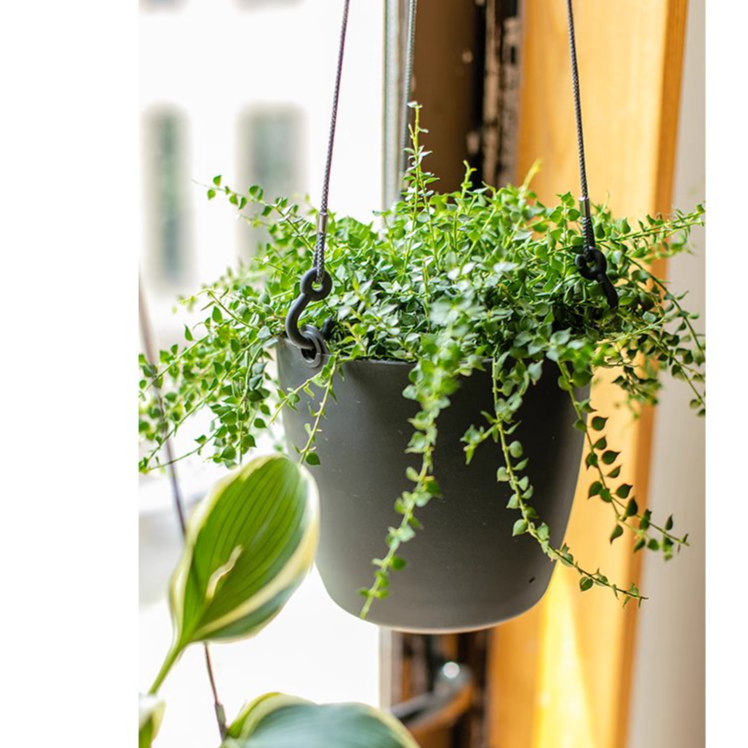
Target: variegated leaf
(279, 721)
(249, 545)
(150, 714)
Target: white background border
(69, 195)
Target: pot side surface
(464, 569)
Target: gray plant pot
(464, 570)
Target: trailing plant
(445, 282)
(249, 544)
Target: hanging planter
(445, 384)
(442, 356)
(465, 570)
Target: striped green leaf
(150, 713)
(249, 545)
(279, 721)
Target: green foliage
(445, 282)
(248, 546)
(278, 721)
(150, 713)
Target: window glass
(165, 172)
(271, 156)
(156, 4)
(245, 95)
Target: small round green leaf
(598, 423)
(398, 564)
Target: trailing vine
(325, 382)
(443, 281)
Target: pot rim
(381, 361)
(391, 362)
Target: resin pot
(464, 569)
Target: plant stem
(408, 516)
(171, 657)
(320, 413)
(185, 455)
(670, 297)
(286, 397)
(614, 500)
(157, 375)
(217, 301)
(147, 459)
(553, 553)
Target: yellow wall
(561, 673)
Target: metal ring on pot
(312, 357)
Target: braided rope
(586, 221)
(590, 254)
(321, 239)
(407, 86)
(319, 248)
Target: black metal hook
(597, 271)
(592, 264)
(310, 340)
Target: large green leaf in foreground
(248, 547)
(278, 721)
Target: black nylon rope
(592, 264)
(319, 248)
(407, 86)
(577, 102)
(321, 239)
(316, 283)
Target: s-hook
(309, 339)
(317, 282)
(591, 264)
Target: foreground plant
(278, 720)
(150, 714)
(445, 282)
(248, 546)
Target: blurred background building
(243, 88)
